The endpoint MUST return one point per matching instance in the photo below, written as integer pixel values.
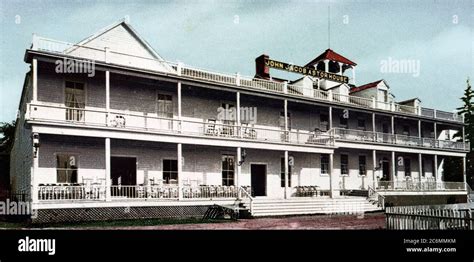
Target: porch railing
(71, 192)
(211, 191)
(144, 122)
(375, 196)
(420, 186)
(384, 138)
(130, 192)
(129, 60)
(144, 192)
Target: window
(75, 98)
(407, 164)
(361, 124)
(165, 106)
(324, 164)
(344, 165)
(228, 169)
(170, 171)
(362, 166)
(342, 121)
(66, 168)
(406, 130)
(324, 122)
(282, 173)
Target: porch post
(286, 174)
(239, 169)
(464, 171)
(108, 183)
(435, 131)
(420, 166)
(285, 108)
(436, 168)
(180, 170)
(35, 80)
(393, 125)
(239, 130)
(179, 106)
(373, 122)
(374, 174)
(330, 117)
(419, 129)
(331, 175)
(107, 91)
(394, 167)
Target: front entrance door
(258, 181)
(123, 171)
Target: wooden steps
(306, 206)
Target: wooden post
(286, 174)
(108, 183)
(35, 80)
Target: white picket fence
(444, 217)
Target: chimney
(262, 70)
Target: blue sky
(228, 35)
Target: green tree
(7, 130)
(453, 165)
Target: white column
(374, 172)
(435, 131)
(180, 171)
(286, 174)
(239, 168)
(35, 80)
(463, 135)
(332, 187)
(394, 167)
(420, 166)
(330, 117)
(108, 183)
(179, 100)
(238, 108)
(393, 125)
(373, 122)
(107, 91)
(179, 106)
(340, 67)
(464, 171)
(436, 168)
(285, 108)
(326, 65)
(419, 128)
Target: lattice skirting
(117, 213)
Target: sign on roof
(306, 71)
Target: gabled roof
(409, 100)
(123, 22)
(367, 86)
(333, 56)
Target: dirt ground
(367, 221)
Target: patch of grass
(112, 223)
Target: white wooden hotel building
(145, 134)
